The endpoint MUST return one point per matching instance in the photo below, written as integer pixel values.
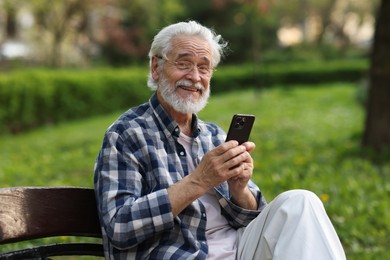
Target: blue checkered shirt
(138, 161)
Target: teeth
(189, 89)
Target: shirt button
(182, 153)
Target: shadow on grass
(375, 157)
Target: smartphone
(240, 128)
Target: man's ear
(154, 68)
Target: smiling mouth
(191, 89)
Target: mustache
(188, 83)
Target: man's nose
(194, 74)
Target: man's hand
(228, 162)
(225, 162)
(238, 185)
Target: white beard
(186, 104)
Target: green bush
(266, 75)
(33, 98)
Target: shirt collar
(166, 121)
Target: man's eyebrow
(184, 55)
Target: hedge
(264, 75)
(32, 98)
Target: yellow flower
(299, 160)
(324, 198)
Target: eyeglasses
(187, 67)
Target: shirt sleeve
(128, 216)
(235, 215)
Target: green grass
(306, 138)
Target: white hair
(162, 43)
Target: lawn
(307, 137)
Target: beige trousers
(293, 226)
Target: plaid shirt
(139, 159)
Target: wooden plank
(37, 212)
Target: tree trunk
(11, 28)
(377, 126)
(56, 51)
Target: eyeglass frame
(190, 68)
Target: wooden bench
(28, 213)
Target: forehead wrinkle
(189, 46)
(184, 55)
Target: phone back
(240, 128)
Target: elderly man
(168, 186)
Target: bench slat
(38, 212)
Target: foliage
(32, 98)
(251, 27)
(118, 32)
(313, 53)
(65, 22)
(240, 24)
(307, 138)
(128, 34)
(289, 73)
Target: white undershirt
(221, 237)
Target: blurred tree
(10, 8)
(128, 33)
(323, 20)
(326, 29)
(377, 127)
(248, 25)
(252, 26)
(122, 30)
(59, 20)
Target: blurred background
(315, 73)
(70, 33)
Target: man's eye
(204, 68)
(183, 65)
